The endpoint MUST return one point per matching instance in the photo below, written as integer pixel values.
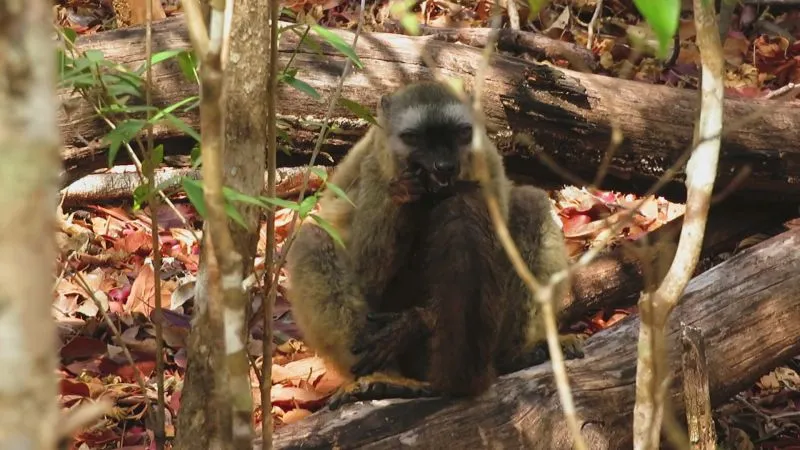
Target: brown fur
(460, 315)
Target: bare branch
(701, 170)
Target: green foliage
(534, 6)
(188, 62)
(110, 87)
(338, 43)
(663, 16)
(325, 225)
(358, 109)
(402, 11)
(288, 77)
(120, 135)
(194, 191)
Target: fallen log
(747, 309)
(120, 185)
(616, 278)
(568, 114)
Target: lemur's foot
(380, 386)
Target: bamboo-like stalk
(701, 171)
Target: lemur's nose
(445, 167)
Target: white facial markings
(413, 117)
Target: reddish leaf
(136, 241)
(97, 438)
(71, 387)
(571, 224)
(80, 367)
(82, 347)
(126, 371)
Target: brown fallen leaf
(294, 415)
(142, 296)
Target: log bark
(747, 308)
(694, 364)
(119, 186)
(569, 114)
(615, 279)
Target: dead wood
(567, 113)
(615, 279)
(119, 185)
(746, 307)
(694, 364)
(518, 41)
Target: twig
(701, 172)
(234, 376)
(782, 90)
(513, 14)
(271, 290)
(158, 432)
(317, 147)
(598, 9)
(542, 294)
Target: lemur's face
(430, 131)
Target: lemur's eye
(410, 139)
(464, 134)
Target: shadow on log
(567, 113)
(747, 308)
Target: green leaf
(339, 192)
(124, 132)
(79, 80)
(663, 16)
(157, 157)
(338, 43)
(408, 19)
(163, 56)
(236, 196)
(328, 229)
(358, 109)
(159, 115)
(183, 126)
(321, 173)
(281, 203)
(194, 190)
(234, 214)
(196, 156)
(119, 90)
(94, 56)
(69, 34)
(301, 86)
(534, 6)
(309, 42)
(141, 195)
(188, 64)
(307, 205)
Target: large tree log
(615, 278)
(747, 308)
(569, 114)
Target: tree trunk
(243, 164)
(29, 412)
(568, 113)
(747, 308)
